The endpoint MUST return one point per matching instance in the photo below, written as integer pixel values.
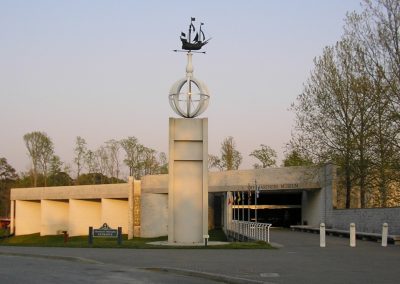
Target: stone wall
(367, 220)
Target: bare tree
(91, 163)
(114, 164)
(47, 154)
(214, 162)
(102, 161)
(80, 153)
(163, 163)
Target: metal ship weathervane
(197, 42)
(189, 97)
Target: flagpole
(255, 199)
(233, 205)
(238, 214)
(243, 206)
(228, 195)
(248, 202)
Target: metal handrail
(251, 230)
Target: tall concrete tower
(188, 151)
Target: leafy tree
(60, 179)
(32, 142)
(80, 155)
(57, 176)
(40, 150)
(294, 158)
(376, 31)
(93, 178)
(142, 160)
(55, 164)
(348, 112)
(150, 162)
(326, 113)
(97, 178)
(46, 154)
(266, 155)
(230, 157)
(7, 172)
(132, 150)
(8, 177)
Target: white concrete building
(307, 194)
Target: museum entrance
(281, 209)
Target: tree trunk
(34, 177)
(348, 184)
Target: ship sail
(197, 42)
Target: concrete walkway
(299, 260)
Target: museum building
(287, 196)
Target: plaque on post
(105, 232)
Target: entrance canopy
(286, 179)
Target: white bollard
(385, 232)
(352, 234)
(322, 243)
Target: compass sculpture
(189, 96)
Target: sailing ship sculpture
(189, 97)
(197, 42)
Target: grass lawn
(82, 242)
(3, 233)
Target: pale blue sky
(103, 69)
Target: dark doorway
(218, 211)
(281, 209)
(284, 217)
(284, 208)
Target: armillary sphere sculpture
(189, 97)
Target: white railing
(249, 230)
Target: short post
(119, 240)
(65, 233)
(385, 231)
(352, 234)
(322, 242)
(206, 237)
(90, 237)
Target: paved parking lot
(298, 260)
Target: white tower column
(188, 180)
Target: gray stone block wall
(367, 220)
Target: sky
(102, 69)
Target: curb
(66, 258)
(206, 275)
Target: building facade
(288, 196)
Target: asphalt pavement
(299, 259)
